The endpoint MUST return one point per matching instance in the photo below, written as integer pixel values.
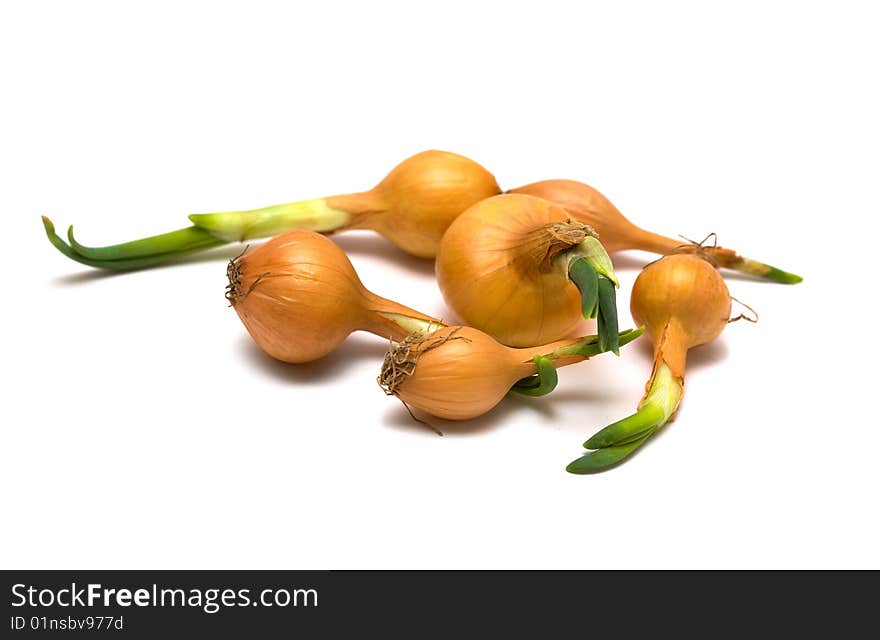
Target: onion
(299, 297)
(683, 302)
(520, 269)
(618, 234)
(459, 373)
(412, 207)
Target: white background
(142, 428)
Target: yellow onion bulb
(455, 373)
(299, 297)
(682, 292)
(421, 196)
(497, 270)
(459, 373)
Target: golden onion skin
(299, 297)
(415, 203)
(587, 205)
(461, 373)
(617, 233)
(683, 302)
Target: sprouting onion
(683, 302)
(412, 207)
(460, 373)
(520, 269)
(589, 206)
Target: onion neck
(362, 208)
(592, 251)
(638, 238)
(664, 392)
(551, 357)
(307, 215)
(644, 240)
(565, 352)
(718, 256)
(729, 259)
(394, 321)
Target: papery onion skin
(464, 377)
(418, 200)
(299, 297)
(460, 373)
(683, 302)
(495, 272)
(586, 204)
(617, 233)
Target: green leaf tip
(137, 254)
(124, 264)
(647, 418)
(607, 321)
(654, 411)
(761, 270)
(783, 277)
(604, 459)
(618, 440)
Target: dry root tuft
(233, 287)
(742, 316)
(233, 275)
(401, 359)
(563, 236)
(702, 248)
(571, 232)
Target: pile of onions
(459, 373)
(299, 297)
(519, 268)
(683, 302)
(412, 207)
